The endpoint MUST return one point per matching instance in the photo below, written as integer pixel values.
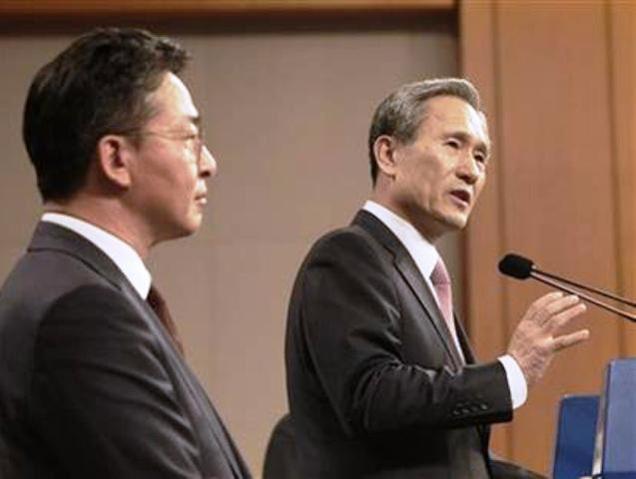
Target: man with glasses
(93, 382)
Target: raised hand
(536, 339)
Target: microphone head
(516, 266)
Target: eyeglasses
(195, 141)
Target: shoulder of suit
(41, 279)
(350, 240)
(351, 233)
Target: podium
(576, 432)
(596, 436)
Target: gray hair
(402, 112)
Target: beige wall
(286, 116)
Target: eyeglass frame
(197, 137)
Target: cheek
(480, 185)
(186, 176)
(421, 174)
(429, 180)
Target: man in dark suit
(93, 383)
(381, 379)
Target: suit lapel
(413, 278)
(53, 237)
(408, 270)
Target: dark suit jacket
(280, 455)
(91, 386)
(376, 389)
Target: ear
(114, 155)
(384, 149)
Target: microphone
(522, 268)
(516, 266)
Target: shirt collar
(423, 253)
(121, 253)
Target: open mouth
(462, 195)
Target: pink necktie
(442, 285)
(441, 282)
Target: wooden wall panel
(622, 39)
(562, 173)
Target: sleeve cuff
(516, 381)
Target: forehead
(172, 100)
(445, 114)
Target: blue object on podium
(574, 451)
(615, 448)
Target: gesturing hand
(536, 339)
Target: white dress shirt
(425, 257)
(120, 252)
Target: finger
(543, 301)
(545, 317)
(562, 304)
(568, 340)
(560, 320)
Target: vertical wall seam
(617, 190)
(501, 207)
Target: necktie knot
(440, 275)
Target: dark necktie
(442, 284)
(159, 306)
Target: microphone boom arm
(544, 278)
(600, 292)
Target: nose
(469, 170)
(208, 166)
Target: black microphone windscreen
(515, 266)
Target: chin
(184, 230)
(455, 223)
(190, 230)
(195, 224)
